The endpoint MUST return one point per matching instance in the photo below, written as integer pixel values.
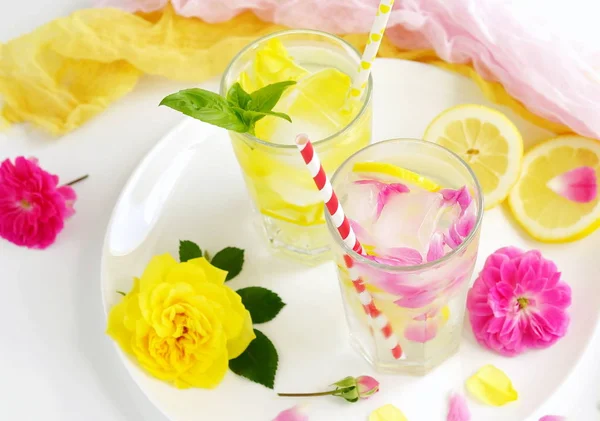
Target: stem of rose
(77, 180)
(306, 395)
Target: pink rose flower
(32, 206)
(518, 301)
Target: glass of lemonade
(286, 201)
(416, 208)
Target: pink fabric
(518, 301)
(546, 64)
(32, 206)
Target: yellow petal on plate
(491, 386)
(387, 413)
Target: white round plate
(190, 187)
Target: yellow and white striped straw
(375, 36)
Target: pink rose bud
(367, 386)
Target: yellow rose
(182, 323)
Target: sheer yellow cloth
(69, 70)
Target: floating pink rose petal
(458, 409)
(430, 314)
(436, 247)
(578, 185)
(460, 196)
(388, 191)
(292, 414)
(407, 254)
(361, 233)
(417, 300)
(553, 418)
(421, 332)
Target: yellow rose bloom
(181, 322)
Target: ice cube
(408, 220)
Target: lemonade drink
(283, 193)
(416, 208)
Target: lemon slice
(547, 215)
(486, 140)
(311, 111)
(272, 63)
(396, 172)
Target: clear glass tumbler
(286, 202)
(425, 304)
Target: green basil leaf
(264, 99)
(262, 304)
(280, 115)
(208, 107)
(238, 97)
(258, 362)
(230, 259)
(188, 250)
(251, 117)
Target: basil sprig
(238, 112)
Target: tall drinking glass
(425, 302)
(286, 202)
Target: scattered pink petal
(578, 185)
(421, 332)
(33, 208)
(292, 414)
(553, 418)
(458, 409)
(518, 301)
(436, 247)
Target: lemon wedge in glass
(391, 170)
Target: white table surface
(56, 363)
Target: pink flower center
(25, 205)
(523, 303)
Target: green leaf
(238, 97)
(251, 117)
(206, 106)
(280, 115)
(121, 292)
(264, 99)
(263, 304)
(258, 362)
(188, 250)
(230, 259)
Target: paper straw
(373, 43)
(339, 219)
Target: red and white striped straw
(339, 219)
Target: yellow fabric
(69, 70)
